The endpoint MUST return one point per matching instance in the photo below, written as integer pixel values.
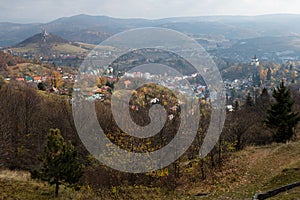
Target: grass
(19, 185)
(293, 194)
(60, 48)
(252, 170)
(34, 47)
(67, 48)
(255, 170)
(86, 45)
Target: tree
(280, 116)
(263, 101)
(236, 105)
(56, 80)
(60, 162)
(2, 81)
(19, 106)
(269, 74)
(249, 100)
(41, 86)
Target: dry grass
(34, 47)
(86, 45)
(19, 185)
(253, 170)
(14, 175)
(61, 48)
(67, 48)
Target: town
(62, 76)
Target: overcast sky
(26, 11)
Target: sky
(28, 11)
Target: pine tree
(236, 105)
(60, 162)
(265, 95)
(280, 116)
(249, 100)
(263, 101)
(269, 74)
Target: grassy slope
(255, 169)
(19, 185)
(67, 48)
(86, 45)
(59, 48)
(22, 69)
(29, 48)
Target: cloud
(46, 10)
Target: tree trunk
(202, 169)
(220, 153)
(176, 169)
(239, 141)
(56, 188)
(212, 161)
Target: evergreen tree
(269, 74)
(249, 100)
(60, 162)
(280, 116)
(265, 94)
(256, 78)
(236, 105)
(264, 99)
(41, 86)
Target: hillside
(253, 170)
(15, 66)
(46, 44)
(38, 38)
(7, 60)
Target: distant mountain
(12, 33)
(268, 48)
(94, 29)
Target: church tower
(254, 61)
